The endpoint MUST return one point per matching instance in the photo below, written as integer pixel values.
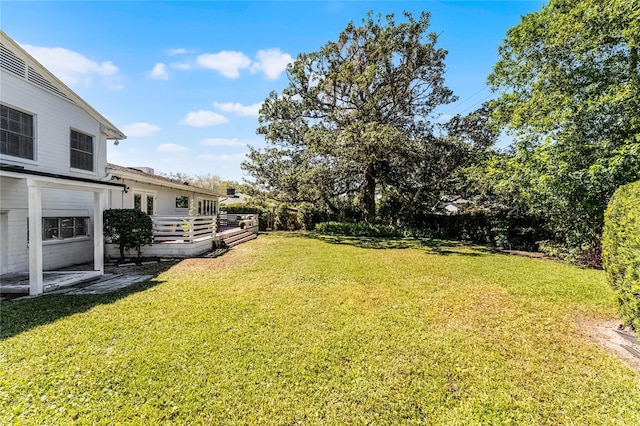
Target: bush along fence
(477, 227)
(621, 250)
(265, 216)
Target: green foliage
(586, 255)
(361, 229)
(570, 95)
(293, 330)
(239, 208)
(206, 181)
(355, 119)
(282, 217)
(621, 250)
(307, 215)
(129, 228)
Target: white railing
(183, 229)
(234, 219)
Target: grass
(288, 329)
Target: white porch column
(98, 235)
(36, 285)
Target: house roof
(15, 60)
(144, 177)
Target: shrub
(129, 228)
(500, 229)
(240, 208)
(282, 217)
(360, 229)
(621, 250)
(306, 216)
(586, 255)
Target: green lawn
(289, 329)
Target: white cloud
(181, 66)
(159, 72)
(245, 110)
(271, 62)
(172, 148)
(74, 68)
(224, 157)
(140, 130)
(179, 51)
(204, 119)
(228, 63)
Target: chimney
(231, 191)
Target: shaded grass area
(443, 247)
(289, 329)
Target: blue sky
(184, 80)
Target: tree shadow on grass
(440, 247)
(18, 316)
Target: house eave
(119, 173)
(18, 173)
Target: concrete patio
(70, 282)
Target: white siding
(55, 203)
(165, 198)
(13, 200)
(54, 117)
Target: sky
(184, 80)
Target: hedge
(129, 228)
(239, 208)
(621, 250)
(359, 229)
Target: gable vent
(11, 62)
(36, 78)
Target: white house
(184, 216)
(53, 177)
(55, 182)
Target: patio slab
(19, 283)
(71, 282)
(106, 284)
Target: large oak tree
(355, 117)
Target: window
(206, 207)
(58, 228)
(137, 201)
(81, 151)
(150, 199)
(144, 201)
(182, 202)
(16, 133)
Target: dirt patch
(531, 254)
(220, 263)
(616, 339)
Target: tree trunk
(369, 196)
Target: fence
(183, 229)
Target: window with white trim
(16, 133)
(145, 202)
(206, 207)
(60, 228)
(81, 151)
(182, 202)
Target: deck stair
(238, 236)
